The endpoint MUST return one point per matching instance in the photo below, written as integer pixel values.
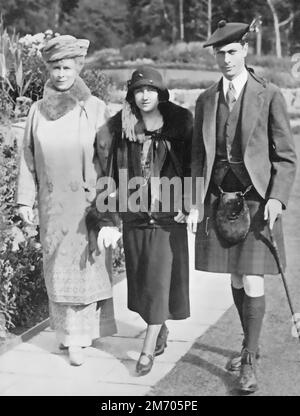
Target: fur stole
(56, 104)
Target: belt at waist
(230, 161)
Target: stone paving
(38, 367)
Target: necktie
(230, 96)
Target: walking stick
(295, 317)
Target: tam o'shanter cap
(227, 33)
(147, 76)
(64, 47)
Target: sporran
(233, 216)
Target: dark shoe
(143, 369)
(247, 381)
(161, 342)
(62, 347)
(235, 363)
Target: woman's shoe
(62, 347)
(143, 369)
(161, 342)
(76, 356)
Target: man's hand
(193, 220)
(273, 209)
(26, 213)
(108, 236)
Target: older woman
(151, 138)
(57, 162)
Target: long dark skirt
(157, 267)
(252, 256)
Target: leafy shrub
(158, 51)
(271, 62)
(23, 289)
(98, 82)
(6, 104)
(34, 65)
(154, 49)
(133, 51)
(107, 57)
(183, 83)
(296, 129)
(23, 72)
(119, 257)
(188, 53)
(282, 79)
(22, 286)
(140, 50)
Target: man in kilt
(242, 141)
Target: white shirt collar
(238, 83)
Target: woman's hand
(26, 213)
(193, 220)
(108, 236)
(90, 195)
(180, 217)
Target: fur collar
(177, 121)
(56, 104)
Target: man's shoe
(76, 356)
(247, 381)
(161, 342)
(235, 363)
(143, 369)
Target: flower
(37, 41)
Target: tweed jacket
(267, 144)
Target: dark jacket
(267, 144)
(172, 157)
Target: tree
(276, 28)
(153, 19)
(98, 21)
(288, 11)
(181, 20)
(30, 16)
(117, 22)
(198, 18)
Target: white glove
(108, 236)
(180, 217)
(90, 195)
(193, 219)
(26, 213)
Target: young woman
(57, 162)
(151, 138)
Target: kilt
(251, 256)
(157, 268)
